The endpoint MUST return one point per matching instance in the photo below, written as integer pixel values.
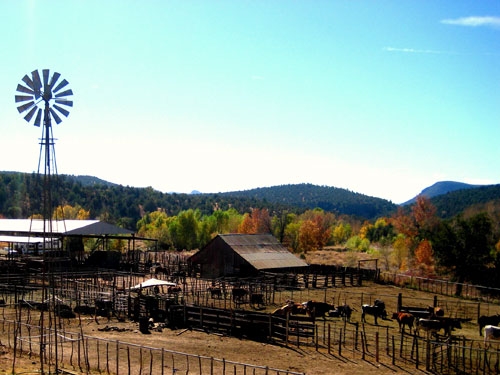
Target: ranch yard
(217, 353)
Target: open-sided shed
(244, 255)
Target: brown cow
(404, 318)
(292, 308)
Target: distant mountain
(440, 188)
(308, 196)
(21, 196)
(89, 180)
(478, 199)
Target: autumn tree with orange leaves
(257, 221)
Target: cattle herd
(430, 320)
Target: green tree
(465, 248)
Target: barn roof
(262, 251)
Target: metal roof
(35, 227)
(262, 251)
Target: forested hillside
(21, 196)
(440, 188)
(453, 203)
(332, 199)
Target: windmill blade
(45, 73)
(26, 90)
(55, 116)
(37, 83)
(67, 102)
(60, 86)
(23, 98)
(62, 110)
(30, 114)
(54, 79)
(38, 118)
(26, 106)
(65, 93)
(29, 82)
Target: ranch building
(243, 255)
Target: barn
(242, 255)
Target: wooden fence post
(329, 332)
(117, 357)
(376, 347)
(393, 351)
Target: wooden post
(316, 335)
(376, 347)
(340, 342)
(162, 361)
(416, 350)
(117, 357)
(128, 359)
(393, 351)
(329, 338)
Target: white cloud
(474, 21)
(413, 50)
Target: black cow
(377, 310)
(215, 292)
(344, 311)
(239, 295)
(318, 309)
(257, 299)
(436, 324)
(483, 321)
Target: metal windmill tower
(42, 102)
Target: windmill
(43, 102)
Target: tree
(323, 223)
(308, 236)
(423, 256)
(258, 221)
(184, 230)
(465, 248)
(69, 212)
(341, 233)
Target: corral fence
(93, 355)
(443, 287)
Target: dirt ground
(304, 359)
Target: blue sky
(383, 98)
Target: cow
(344, 311)
(491, 333)
(377, 310)
(292, 308)
(215, 292)
(435, 311)
(239, 294)
(257, 299)
(174, 289)
(404, 319)
(434, 325)
(317, 309)
(483, 321)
